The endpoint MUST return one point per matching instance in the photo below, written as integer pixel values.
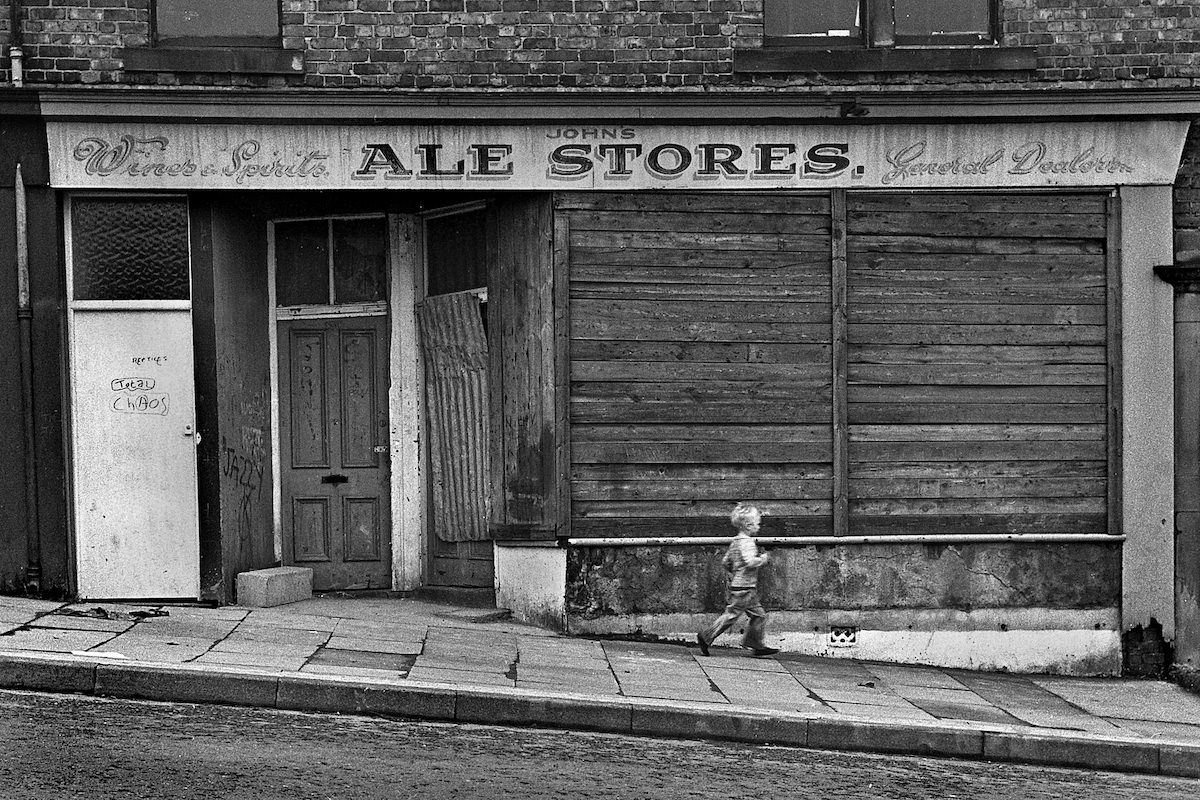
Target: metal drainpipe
(33, 569)
(16, 44)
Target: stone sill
(244, 60)
(898, 59)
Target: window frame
(878, 30)
(273, 42)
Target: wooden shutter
(978, 361)
(699, 361)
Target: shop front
(549, 358)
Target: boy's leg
(735, 608)
(758, 623)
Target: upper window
(229, 23)
(879, 23)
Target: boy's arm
(750, 555)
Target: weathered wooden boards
(977, 363)
(699, 362)
(854, 363)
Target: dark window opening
(229, 23)
(323, 262)
(879, 23)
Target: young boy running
(742, 561)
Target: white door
(133, 408)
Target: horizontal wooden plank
(738, 471)
(781, 243)
(978, 487)
(998, 413)
(807, 388)
(977, 354)
(585, 326)
(954, 334)
(718, 525)
(651, 452)
(1083, 265)
(813, 374)
(998, 274)
(748, 258)
(973, 314)
(673, 352)
(746, 434)
(799, 411)
(956, 506)
(977, 433)
(724, 202)
(693, 221)
(669, 293)
(938, 470)
(716, 510)
(977, 450)
(990, 374)
(937, 395)
(694, 310)
(718, 489)
(905, 524)
(1024, 204)
(900, 243)
(974, 294)
(792, 277)
(929, 222)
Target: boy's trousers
(741, 601)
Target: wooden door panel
(358, 356)
(308, 423)
(361, 525)
(310, 529)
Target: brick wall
(601, 43)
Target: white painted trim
(332, 312)
(131, 305)
(1147, 410)
(273, 356)
(809, 541)
(405, 404)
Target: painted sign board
(615, 156)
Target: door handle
(334, 479)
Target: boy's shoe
(703, 644)
(765, 651)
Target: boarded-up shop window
(977, 363)
(700, 362)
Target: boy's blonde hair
(742, 514)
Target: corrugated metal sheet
(456, 389)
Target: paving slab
(915, 676)
(358, 658)
(232, 645)
(967, 712)
(881, 712)
(53, 641)
(65, 622)
(291, 664)
(30, 605)
(1170, 731)
(358, 672)
(261, 633)
(458, 677)
(376, 645)
(1147, 700)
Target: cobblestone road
(58, 746)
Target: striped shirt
(742, 561)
